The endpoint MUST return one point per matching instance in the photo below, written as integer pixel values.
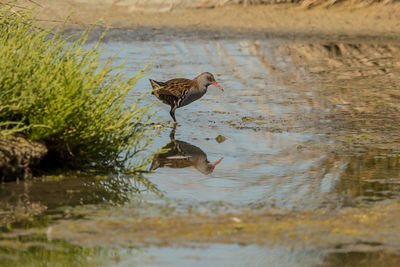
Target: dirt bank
(17, 156)
(284, 20)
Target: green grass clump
(59, 93)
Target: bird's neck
(199, 85)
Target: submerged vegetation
(60, 93)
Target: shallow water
(296, 138)
(260, 162)
(276, 148)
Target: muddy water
(303, 132)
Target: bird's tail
(155, 85)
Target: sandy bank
(285, 20)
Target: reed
(59, 92)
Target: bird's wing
(160, 91)
(178, 87)
(163, 91)
(166, 96)
(173, 91)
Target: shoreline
(287, 21)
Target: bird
(180, 154)
(181, 92)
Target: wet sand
(284, 20)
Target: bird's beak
(217, 162)
(217, 85)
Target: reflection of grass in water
(365, 259)
(39, 203)
(357, 82)
(371, 177)
(38, 250)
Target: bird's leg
(172, 113)
(172, 133)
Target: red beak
(217, 85)
(217, 162)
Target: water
(256, 158)
(305, 130)
(229, 255)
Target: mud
(348, 229)
(18, 156)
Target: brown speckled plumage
(181, 92)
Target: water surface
(300, 128)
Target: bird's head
(206, 79)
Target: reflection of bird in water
(181, 92)
(181, 155)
